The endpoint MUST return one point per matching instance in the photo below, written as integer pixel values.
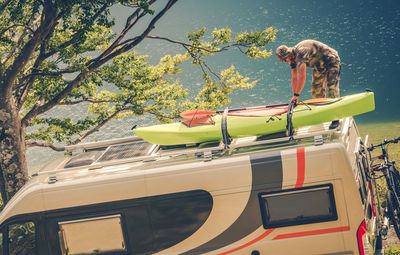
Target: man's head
(284, 53)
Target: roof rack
(316, 135)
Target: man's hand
(295, 97)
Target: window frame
(83, 218)
(294, 222)
(62, 237)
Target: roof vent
(318, 140)
(52, 179)
(84, 159)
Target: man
(323, 59)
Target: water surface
(365, 33)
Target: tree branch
(211, 71)
(4, 6)
(82, 76)
(23, 95)
(48, 17)
(27, 27)
(186, 44)
(15, 47)
(84, 101)
(160, 115)
(54, 73)
(96, 128)
(39, 60)
(128, 26)
(16, 25)
(43, 56)
(77, 35)
(43, 144)
(202, 64)
(137, 39)
(32, 76)
(38, 109)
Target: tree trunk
(13, 166)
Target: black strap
(296, 94)
(289, 123)
(226, 139)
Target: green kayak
(200, 126)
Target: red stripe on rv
(262, 236)
(312, 232)
(301, 167)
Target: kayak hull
(241, 126)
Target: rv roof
(133, 151)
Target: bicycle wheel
(394, 212)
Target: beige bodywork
(229, 180)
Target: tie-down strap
(226, 139)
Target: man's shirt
(316, 55)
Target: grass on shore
(379, 131)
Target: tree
(56, 52)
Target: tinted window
(175, 218)
(149, 224)
(298, 206)
(139, 230)
(21, 239)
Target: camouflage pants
(327, 79)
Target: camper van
(260, 195)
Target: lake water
(365, 33)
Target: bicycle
(392, 177)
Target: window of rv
(92, 236)
(144, 225)
(298, 206)
(22, 239)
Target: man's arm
(301, 81)
(299, 73)
(294, 77)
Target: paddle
(192, 118)
(197, 114)
(200, 114)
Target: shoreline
(379, 130)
